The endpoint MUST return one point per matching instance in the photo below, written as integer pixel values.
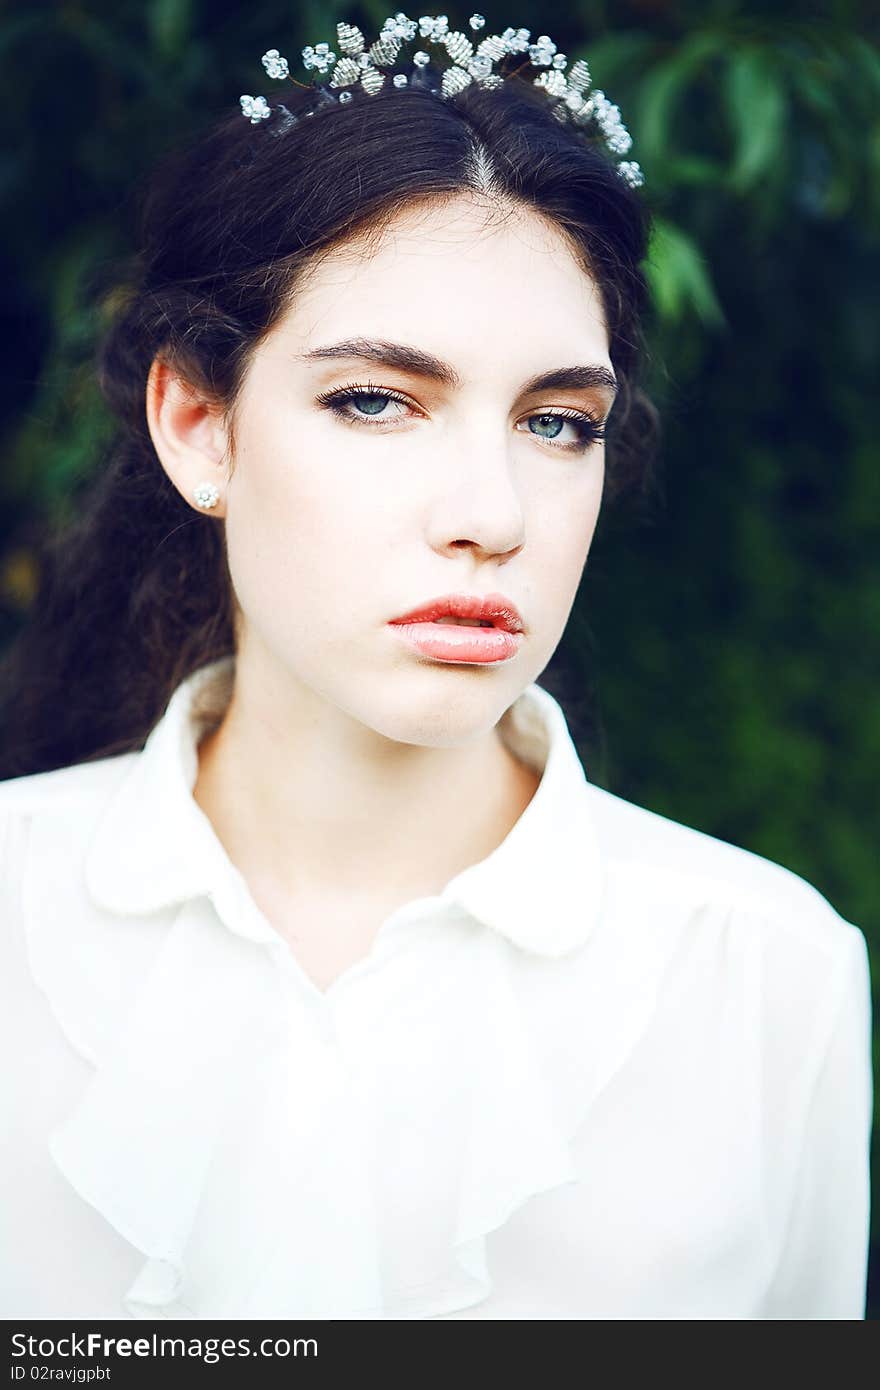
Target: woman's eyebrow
(414, 360)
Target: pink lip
(496, 609)
(448, 642)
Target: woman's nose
(479, 506)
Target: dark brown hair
(135, 593)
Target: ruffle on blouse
(265, 1173)
(344, 1157)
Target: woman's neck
(309, 822)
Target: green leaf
(663, 89)
(696, 170)
(868, 59)
(757, 111)
(109, 49)
(677, 275)
(170, 23)
(615, 58)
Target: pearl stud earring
(206, 495)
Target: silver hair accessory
(367, 67)
(206, 495)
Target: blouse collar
(541, 888)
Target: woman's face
(420, 483)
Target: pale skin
(351, 775)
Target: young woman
(334, 986)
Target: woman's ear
(187, 434)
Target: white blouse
(617, 1069)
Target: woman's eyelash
(339, 401)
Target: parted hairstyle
(135, 593)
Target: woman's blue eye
(375, 404)
(554, 422)
(352, 404)
(355, 405)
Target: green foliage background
(729, 634)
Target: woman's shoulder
(69, 798)
(62, 787)
(52, 935)
(713, 881)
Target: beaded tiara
(367, 67)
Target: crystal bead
(553, 82)
(255, 107)
(345, 72)
(350, 39)
(579, 77)
(384, 52)
(459, 48)
(454, 80)
(372, 81)
(480, 66)
(275, 65)
(631, 173)
(492, 48)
